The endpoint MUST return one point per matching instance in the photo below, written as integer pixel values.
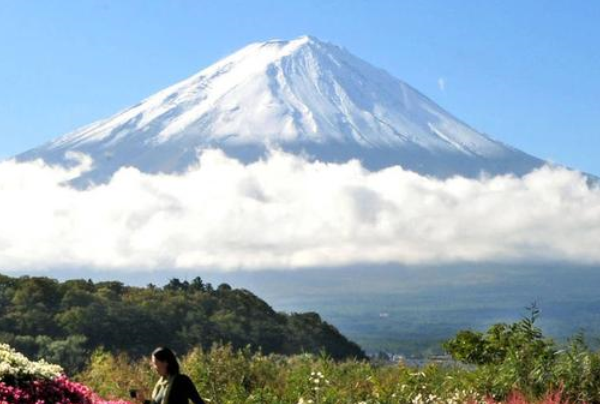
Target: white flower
(13, 363)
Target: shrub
(27, 382)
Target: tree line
(63, 322)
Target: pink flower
(56, 391)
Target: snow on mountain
(302, 95)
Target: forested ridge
(64, 321)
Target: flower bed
(28, 382)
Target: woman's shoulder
(182, 378)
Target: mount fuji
(301, 96)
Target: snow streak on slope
(302, 95)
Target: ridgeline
(64, 321)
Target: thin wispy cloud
(285, 212)
(442, 84)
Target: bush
(27, 382)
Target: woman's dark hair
(164, 354)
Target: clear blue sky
(525, 72)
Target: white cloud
(442, 84)
(286, 212)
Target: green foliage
(577, 371)
(113, 375)
(521, 341)
(518, 357)
(238, 350)
(66, 321)
(225, 375)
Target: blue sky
(523, 72)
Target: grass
(226, 376)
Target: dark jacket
(182, 391)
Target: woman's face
(160, 367)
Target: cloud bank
(286, 212)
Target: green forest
(63, 322)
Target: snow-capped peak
(302, 94)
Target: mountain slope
(302, 95)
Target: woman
(172, 387)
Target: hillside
(63, 321)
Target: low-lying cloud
(286, 212)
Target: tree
(515, 355)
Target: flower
(15, 364)
(27, 382)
